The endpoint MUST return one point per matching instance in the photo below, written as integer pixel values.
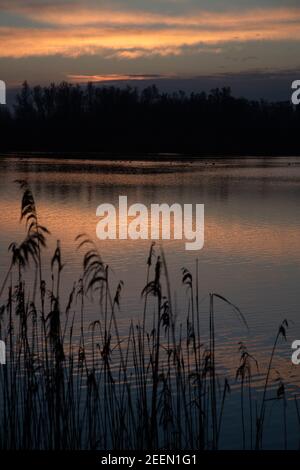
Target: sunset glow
(117, 41)
(135, 34)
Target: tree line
(73, 118)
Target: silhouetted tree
(67, 117)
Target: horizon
(261, 86)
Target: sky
(252, 45)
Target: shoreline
(139, 157)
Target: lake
(251, 251)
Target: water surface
(251, 253)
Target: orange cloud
(135, 34)
(112, 77)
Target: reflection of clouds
(75, 190)
(233, 239)
(67, 197)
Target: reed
(157, 386)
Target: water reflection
(252, 232)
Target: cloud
(115, 78)
(73, 31)
(75, 14)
